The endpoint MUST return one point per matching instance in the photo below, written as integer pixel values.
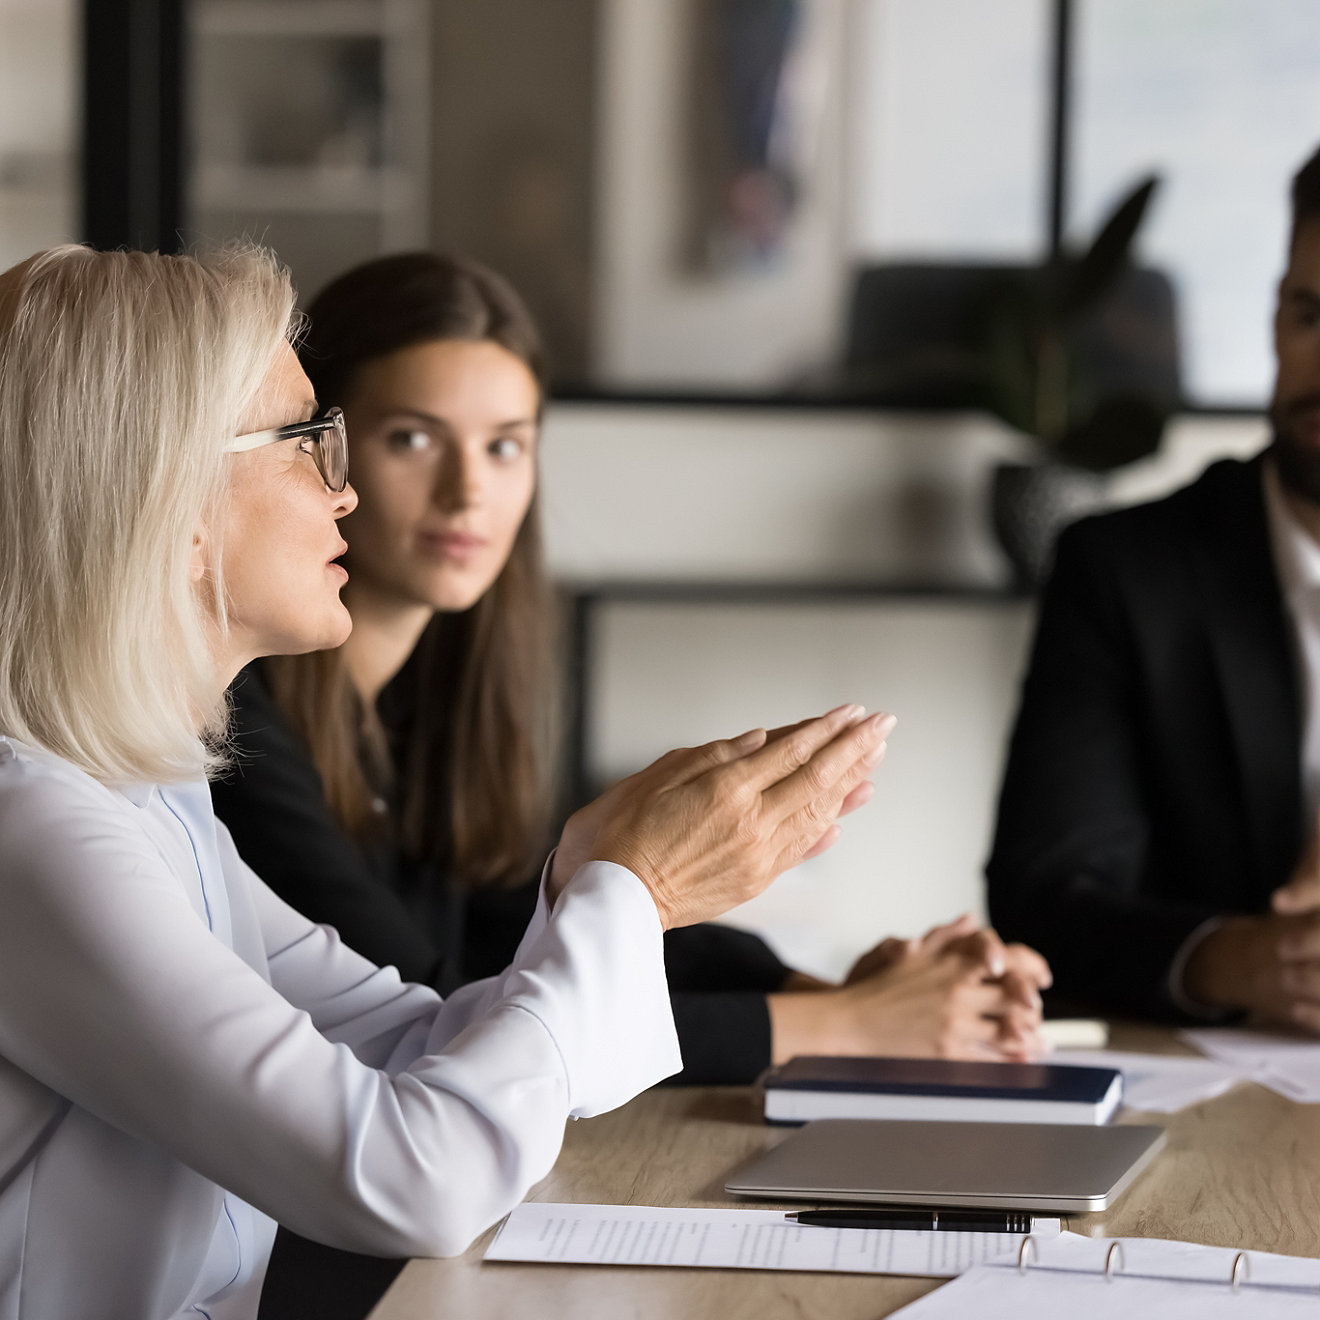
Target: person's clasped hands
(957, 992)
(1268, 964)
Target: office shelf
(311, 128)
(297, 18)
(309, 189)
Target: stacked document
(1286, 1063)
(1160, 1083)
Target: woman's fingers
(968, 1036)
(859, 797)
(1021, 990)
(947, 935)
(1019, 1035)
(823, 844)
(809, 760)
(807, 802)
(1016, 1023)
(773, 735)
(1015, 1020)
(938, 938)
(982, 947)
(883, 956)
(1029, 965)
(928, 1005)
(684, 764)
(1023, 969)
(978, 998)
(706, 828)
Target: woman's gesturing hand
(706, 828)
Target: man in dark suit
(1157, 830)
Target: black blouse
(398, 911)
(395, 910)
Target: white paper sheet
(1161, 1083)
(1285, 1062)
(733, 1239)
(1171, 1280)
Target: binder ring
(1241, 1270)
(1028, 1248)
(1115, 1248)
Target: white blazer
(184, 1059)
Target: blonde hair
(122, 375)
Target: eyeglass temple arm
(253, 440)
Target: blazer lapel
(1251, 638)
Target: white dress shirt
(1297, 559)
(184, 1059)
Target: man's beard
(1298, 463)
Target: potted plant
(1080, 354)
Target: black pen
(941, 1221)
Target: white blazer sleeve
(118, 997)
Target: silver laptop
(1010, 1166)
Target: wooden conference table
(1239, 1171)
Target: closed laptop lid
(1013, 1166)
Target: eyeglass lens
(331, 452)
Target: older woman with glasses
(324, 438)
(183, 1058)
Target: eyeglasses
(329, 438)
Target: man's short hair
(1306, 194)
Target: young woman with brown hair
(399, 788)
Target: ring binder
(1027, 1241)
(1241, 1270)
(1070, 1275)
(1116, 1263)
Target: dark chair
(922, 333)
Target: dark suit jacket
(1154, 776)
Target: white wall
(795, 495)
(803, 494)
(693, 494)
(1223, 101)
(674, 675)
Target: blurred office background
(758, 235)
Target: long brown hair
(474, 779)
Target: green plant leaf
(1085, 279)
(1120, 429)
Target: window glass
(1223, 100)
(949, 129)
